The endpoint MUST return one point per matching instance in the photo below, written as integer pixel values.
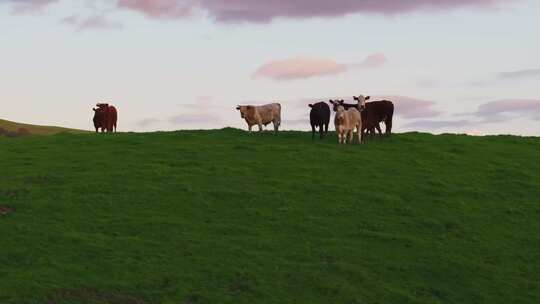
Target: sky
(458, 66)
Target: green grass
(226, 217)
(36, 130)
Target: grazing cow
(319, 116)
(262, 115)
(105, 117)
(376, 112)
(346, 121)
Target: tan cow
(261, 115)
(346, 121)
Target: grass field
(36, 130)
(226, 217)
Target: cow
(319, 116)
(99, 119)
(376, 112)
(261, 115)
(105, 117)
(345, 122)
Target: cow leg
(378, 127)
(388, 123)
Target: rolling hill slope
(223, 216)
(34, 129)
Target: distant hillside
(223, 216)
(15, 128)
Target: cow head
(99, 118)
(244, 110)
(340, 113)
(334, 103)
(361, 102)
(102, 105)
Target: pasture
(223, 216)
(11, 126)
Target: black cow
(319, 116)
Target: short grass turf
(223, 216)
(36, 130)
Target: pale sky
(466, 66)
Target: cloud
(29, 6)
(302, 67)
(491, 112)
(376, 60)
(299, 67)
(409, 107)
(147, 122)
(92, 22)
(261, 11)
(521, 74)
(439, 124)
(508, 109)
(195, 118)
(159, 9)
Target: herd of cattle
(361, 117)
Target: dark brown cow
(375, 113)
(105, 117)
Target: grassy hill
(34, 129)
(227, 217)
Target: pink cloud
(93, 22)
(265, 11)
(506, 109)
(299, 67)
(306, 67)
(29, 6)
(374, 61)
(410, 108)
(159, 9)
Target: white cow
(261, 115)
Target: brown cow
(105, 117)
(262, 115)
(376, 112)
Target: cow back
(320, 113)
